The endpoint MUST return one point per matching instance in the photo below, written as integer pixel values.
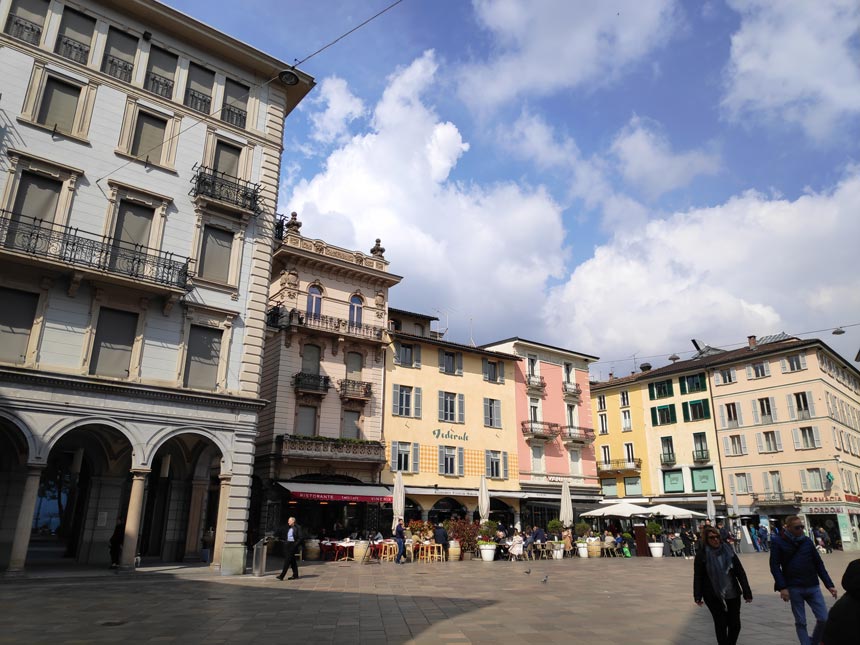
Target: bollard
(258, 568)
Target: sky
(612, 177)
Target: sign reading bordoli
(448, 434)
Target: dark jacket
(440, 536)
(399, 532)
(539, 535)
(796, 564)
(297, 534)
(843, 623)
(702, 587)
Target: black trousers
(290, 559)
(727, 622)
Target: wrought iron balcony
(23, 29)
(703, 454)
(198, 101)
(577, 434)
(573, 390)
(73, 49)
(233, 115)
(333, 449)
(667, 459)
(355, 390)
(778, 498)
(307, 382)
(540, 429)
(158, 84)
(118, 68)
(226, 188)
(280, 317)
(75, 248)
(619, 465)
(535, 382)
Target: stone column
(425, 514)
(24, 526)
(221, 528)
(132, 519)
(195, 515)
(517, 520)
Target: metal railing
(280, 317)
(350, 389)
(620, 464)
(158, 84)
(535, 381)
(73, 49)
(226, 188)
(233, 115)
(571, 389)
(667, 458)
(74, 247)
(803, 414)
(23, 29)
(198, 101)
(311, 382)
(540, 428)
(118, 68)
(777, 498)
(702, 454)
(577, 433)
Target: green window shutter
(416, 457)
(685, 408)
(461, 408)
(461, 461)
(485, 369)
(441, 405)
(672, 416)
(703, 383)
(682, 381)
(654, 417)
(441, 460)
(651, 394)
(416, 402)
(707, 408)
(505, 465)
(671, 389)
(394, 450)
(395, 401)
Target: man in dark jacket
(843, 623)
(400, 538)
(796, 567)
(292, 543)
(440, 536)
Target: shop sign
(827, 499)
(852, 498)
(823, 510)
(335, 497)
(450, 434)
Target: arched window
(355, 306)
(314, 302)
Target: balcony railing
(619, 465)
(73, 49)
(233, 115)
(158, 84)
(778, 498)
(803, 414)
(333, 449)
(358, 390)
(540, 429)
(23, 29)
(198, 101)
(226, 188)
(280, 317)
(577, 434)
(667, 458)
(533, 381)
(767, 418)
(702, 454)
(118, 68)
(77, 248)
(307, 382)
(571, 389)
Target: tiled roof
(447, 343)
(411, 314)
(515, 339)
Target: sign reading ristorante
(338, 497)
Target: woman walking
(719, 580)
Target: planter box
(488, 552)
(656, 549)
(558, 552)
(582, 550)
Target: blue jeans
(401, 549)
(811, 595)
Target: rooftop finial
(293, 224)
(377, 251)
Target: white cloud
(795, 62)
(475, 250)
(647, 161)
(753, 265)
(341, 108)
(557, 44)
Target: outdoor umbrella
(484, 500)
(565, 514)
(711, 509)
(622, 509)
(398, 499)
(673, 512)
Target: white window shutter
(441, 360)
(395, 400)
(765, 476)
(497, 409)
(727, 448)
(810, 401)
(783, 364)
(767, 368)
(758, 442)
(749, 482)
(749, 372)
(505, 465)
(459, 360)
(743, 445)
(487, 469)
(732, 484)
(397, 352)
(461, 461)
(416, 402)
(789, 400)
(836, 438)
(734, 375)
(441, 460)
(722, 416)
(778, 440)
(796, 436)
(461, 408)
(755, 412)
(773, 408)
(394, 451)
(717, 378)
(816, 436)
(441, 405)
(803, 484)
(416, 457)
(740, 415)
(501, 370)
(487, 405)
(803, 361)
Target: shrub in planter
(489, 528)
(581, 529)
(465, 532)
(654, 531)
(554, 527)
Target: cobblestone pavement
(606, 601)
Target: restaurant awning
(337, 492)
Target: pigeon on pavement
(527, 572)
(545, 578)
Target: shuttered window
(58, 106)
(215, 253)
(148, 140)
(349, 428)
(160, 72)
(204, 353)
(119, 55)
(37, 197)
(16, 322)
(227, 158)
(198, 94)
(111, 355)
(306, 421)
(75, 36)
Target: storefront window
(673, 481)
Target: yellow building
(449, 418)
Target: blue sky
(612, 177)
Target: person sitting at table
(515, 551)
(539, 535)
(378, 537)
(440, 536)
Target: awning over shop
(462, 492)
(337, 492)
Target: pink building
(555, 433)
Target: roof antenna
(471, 340)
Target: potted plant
(489, 528)
(487, 549)
(654, 531)
(554, 528)
(582, 530)
(466, 533)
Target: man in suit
(293, 542)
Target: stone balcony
(779, 498)
(572, 435)
(619, 465)
(571, 391)
(540, 431)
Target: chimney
(752, 342)
(645, 367)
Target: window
(532, 365)
(769, 441)
(311, 356)
(59, 105)
(764, 410)
(160, 72)
(493, 371)
(203, 358)
(406, 401)
(492, 413)
(306, 421)
(16, 322)
(147, 134)
(356, 307)
(451, 461)
(75, 36)
(113, 344)
(451, 407)
(628, 453)
(407, 354)
(235, 108)
(663, 415)
(350, 428)
(534, 410)
(725, 376)
(354, 365)
(451, 362)
(572, 416)
(601, 402)
(148, 138)
(215, 254)
(626, 421)
(314, 308)
(609, 487)
(198, 93)
(537, 459)
(568, 373)
(58, 102)
(632, 485)
(758, 370)
(673, 481)
(496, 464)
(693, 383)
(742, 483)
(119, 56)
(35, 207)
(604, 453)
(419, 329)
(735, 445)
(806, 438)
(575, 461)
(772, 481)
(703, 479)
(26, 20)
(793, 363)
(625, 398)
(660, 389)
(405, 456)
(667, 448)
(812, 479)
(696, 410)
(227, 160)
(131, 234)
(730, 416)
(604, 423)
(801, 405)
